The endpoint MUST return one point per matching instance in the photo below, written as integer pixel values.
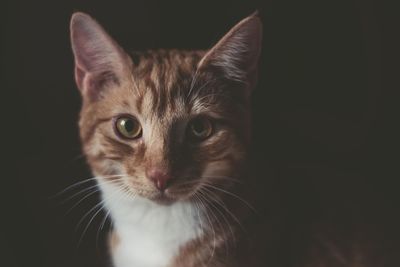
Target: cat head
(163, 124)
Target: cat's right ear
(99, 60)
(236, 54)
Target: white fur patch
(150, 234)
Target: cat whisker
(107, 215)
(205, 197)
(209, 223)
(79, 193)
(118, 198)
(200, 180)
(90, 221)
(82, 182)
(72, 186)
(198, 213)
(224, 178)
(221, 204)
(94, 191)
(100, 207)
(87, 214)
(83, 191)
(101, 226)
(210, 199)
(188, 183)
(127, 192)
(81, 200)
(231, 194)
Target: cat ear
(99, 60)
(236, 55)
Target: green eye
(128, 127)
(200, 129)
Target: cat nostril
(160, 178)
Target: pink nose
(159, 177)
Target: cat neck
(150, 234)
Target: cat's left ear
(236, 55)
(99, 60)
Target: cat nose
(159, 177)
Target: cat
(167, 135)
(167, 132)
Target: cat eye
(128, 127)
(200, 129)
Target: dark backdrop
(323, 121)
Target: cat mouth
(168, 196)
(171, 196)
(163, 199)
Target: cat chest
(144, 248)
(153, 239)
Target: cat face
(162, 124)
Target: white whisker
(231, 194)
(210, 225)
(90, 221)
(222, 204)
(217, 220)
(82, 182)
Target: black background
(323, 121)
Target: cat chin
(167, 199)
(163, 199)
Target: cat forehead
(164, 78)
(165, 67)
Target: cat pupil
(129, 126)
(198, 127)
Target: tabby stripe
(91, 131)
